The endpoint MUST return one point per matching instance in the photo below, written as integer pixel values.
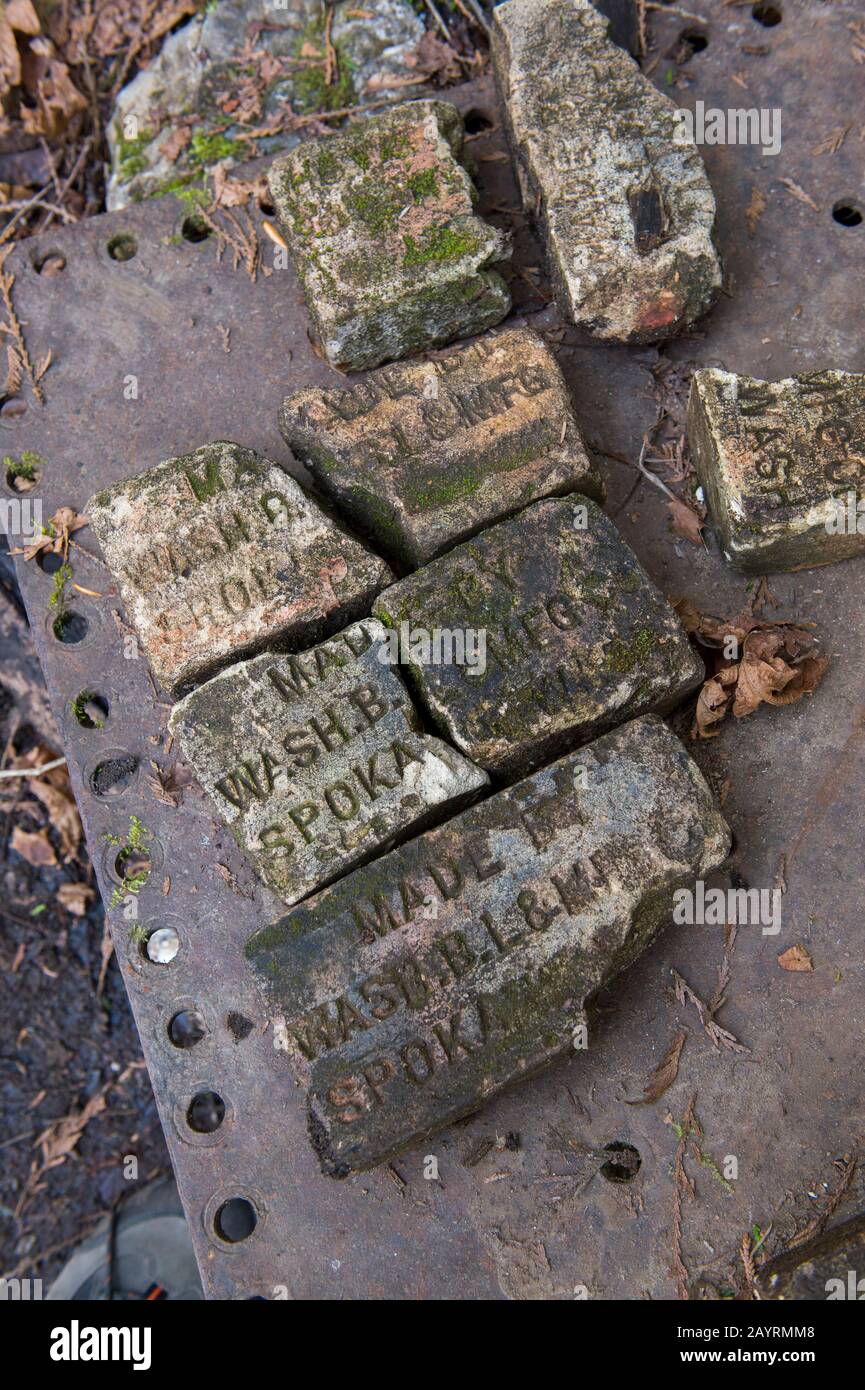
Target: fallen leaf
(34, 846)
(686, 522)
(664, 1074)
(75, 897)
(62, 811)
(176, 142)
(61, 1137)
(795, 958)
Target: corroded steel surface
(533, 1216)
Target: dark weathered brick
(577, 636)
(317, 761)
(612, 175)
(220, 553)
(417, 988)
(421, 455)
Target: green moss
(311, 91)
(209, 149)
(27, 467)
(624, 656)
(131, 159)
(423, 185)
(439, 491)
(439, 243)
(376, 206)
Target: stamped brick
(383, 235)
(567, 634)
(416, 989)
(220, 553)
(317, 761)
(775, 460)
(613, 177)
(421, 455)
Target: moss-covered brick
(317, 761)
(417, 988)
(220, 553)
(782, 465)
(576, 638)
(383, 234)
(608, 170)
(422, 454)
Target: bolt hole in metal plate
(537, 1219)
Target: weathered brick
(220, 553)
(416, 989)
(423, 454)
(616, 183)
(577, 636)
(382, 231)
(772, 457)
(317, 761)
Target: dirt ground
(66, 1046)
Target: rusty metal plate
(533, 1217)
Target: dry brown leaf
(686, 522)
(176, 142)
(61, 1137)
(35, 847)
(58, 101)
(795, 958)
(664, 1074)
(22, 17)
(62, 811)
(75, 898)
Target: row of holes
(236, 1218)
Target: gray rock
(422, 454)
(566, 632)
(220, 553)
(617, 185)
(831, 1267)
(317, 761)
(420, 986)
(773, 457)
(206, 57)
(384, 238)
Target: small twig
(437, 20)
(32, 771)
(673, 9)
(683, 1187)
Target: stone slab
(773, 457)
(577, 638)
(199, 66)
(381, 225)
(423, 454)
(219, 553)
(317, 761)
(610, 173)
(415, 990)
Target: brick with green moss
(575, 636)
(424, 453)
(384, 237)
(415, 989)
